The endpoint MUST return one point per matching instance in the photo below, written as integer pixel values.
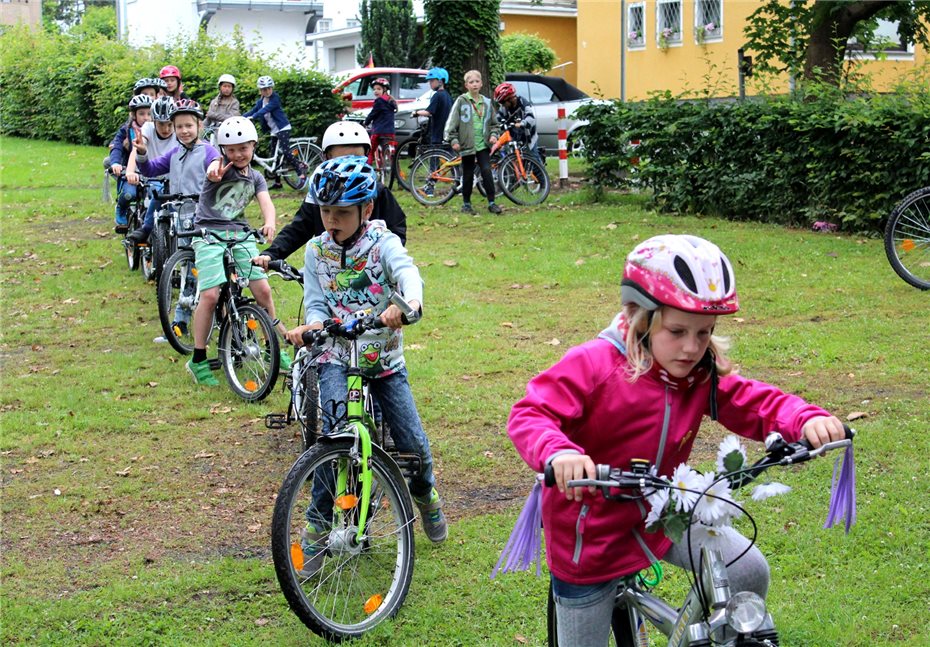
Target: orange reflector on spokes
(908, 245)
(251, 324)
(297, 556)
(251, 386)
(372, 603)
(194, 271)
(346, 501)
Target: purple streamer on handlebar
(843, 491)
(524, 545)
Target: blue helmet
(343, 182)
(438, 73)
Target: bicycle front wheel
(306, 399)
(159, 243)
(907, 239)
(177, 300)
(403, 161)
(340, 587)
(307, 153)
(434, 178)
(249, 352)
(527, 187)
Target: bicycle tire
(177, 295)
(305, 152)
(433, 188)
(133, 256)
(145, 264)
(249, 352)
(528, 189)
(403, 161)
(133, 253)
(306, 401)
(907, 239)
(357, 586)
(159, 243)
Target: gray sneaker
(313, 546)
(467, 208)
(434, 521)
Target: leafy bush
(821, 156)
(75, 87)
(527, 53)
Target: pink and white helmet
(684, 272)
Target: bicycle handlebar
(209, 236)
(778, 452)
(355, 328)
(287, 272)
(176, 197)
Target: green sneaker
(285, 361)
(434, 521)
(201, 373)
(313, 547)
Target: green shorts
(208, 257)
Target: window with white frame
(668, 22)
(708, 18)
(352, 22)
(886, 41)
(636, 25)
(324, 24)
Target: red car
(406, 85)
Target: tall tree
(462, 36)
(812, 37)
(389, 34)
(64, 14)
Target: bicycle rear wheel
(907, 239)
(306, 152)
(177, 300)
(529, 188)
(403, 161)
(434, 179)
(159, 243)
(306, 402)
(133, 222)
(249, 352)
(338, 587)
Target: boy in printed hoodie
(352, 267)
(640, 390)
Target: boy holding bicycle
(640, 390)
(229, 187)
(351, 269)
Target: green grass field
(137, 507)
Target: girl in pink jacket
(640, 390)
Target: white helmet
(236, 130)
(265, 82)
(227, 78)
(346, 133)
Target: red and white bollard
(563, 147)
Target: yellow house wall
(688, 66)
(558, 32)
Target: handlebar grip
(310, 337)
(850, 432)
(549, 475)
(279, 265)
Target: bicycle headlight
(745, 612)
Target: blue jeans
(154, 204)
(125, 194)
(398, 411)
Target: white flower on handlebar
(686, 491)
(658, 500)
(731, 456)
(766, 490)
(716, 507)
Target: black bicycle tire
(528, 163)
(165, 302)
(227, 360)
(133, 254)
(309, 415)
(903, 211)
(387, 472)
(406, 153)
(420, 166)
(306, 155)
(159, 243)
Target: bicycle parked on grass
(711, 614)
(436, 176)
(175, 214)
(365, 558)
(135, 215)
(408, 151)
(907, 239)
(304, 150)
(302, 381)
(247, 344)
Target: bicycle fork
(355, 409)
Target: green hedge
(790, 161)
(75, 88)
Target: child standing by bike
(351, 268)
(159, 139)
(139, 108)
(274, 121)
(440, 104)
(517, 112)
(472, 130)
(224, 104)
(640, 390)
(381, 117)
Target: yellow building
(553, 21)
(28, 12)
(684, 45)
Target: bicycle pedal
(409, 464)
(215, 364)
(276, 420)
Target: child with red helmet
(517, 114)
(381, 117)
(171, 75)
(640, 390)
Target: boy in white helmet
(229, 187)
(340, 139)
(224, 104)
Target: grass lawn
(136, 507)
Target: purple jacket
(586, 403)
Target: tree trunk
(831, 26)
